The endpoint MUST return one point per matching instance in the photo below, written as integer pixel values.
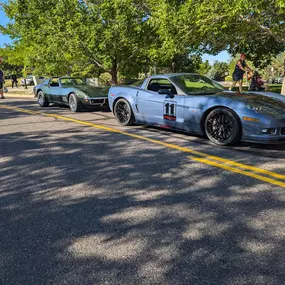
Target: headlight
(254, 107)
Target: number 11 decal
(169, 112)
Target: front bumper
(98, 101)
(259, 137)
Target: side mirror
(165, 92)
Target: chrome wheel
(72, 103)
(42, 100)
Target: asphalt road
(84, 201)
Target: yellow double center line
(229, 165)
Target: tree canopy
(129, 36)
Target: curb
(20, 95)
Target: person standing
(14, 80)
(240, 69)
(2, 80)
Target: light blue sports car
(196, 104)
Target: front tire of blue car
(222, 127)
(124, 113)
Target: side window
(161, 83)
(66, 81)
(54, 82)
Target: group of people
(2, 80)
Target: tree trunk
(283, 86)
(154, 69)
(114, 72)
(173, 65)
(283, 83)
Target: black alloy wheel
(222, 127)
(123, 113)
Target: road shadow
(81, 207)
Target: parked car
(29, 81)
(71, 91)
(196, 104)
(278, 80)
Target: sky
(223, 56)
(3, 21)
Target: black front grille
(100, 101)
(282, 131)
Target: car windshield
(72, 81)
(196, 84)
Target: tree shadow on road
(84, 207)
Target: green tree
(97, 36)
(218, 71)
(185, 63)
(254, 27)
(204, 67)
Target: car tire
(42, 100)
(32, 83)
(124, 113)
(223, 127)
(74, 103)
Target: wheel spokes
(220, 127)
(122, 112)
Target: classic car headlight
(86, 98)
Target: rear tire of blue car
(74, 103)
(124, 113)
(42, 100)
(223, 127)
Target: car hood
(93, 91)
(259, 103)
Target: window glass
(196, 84)
(161, 83)
(72, 81)
(54, 82)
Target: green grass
(276, 88)
(8, 82)
(190, 84)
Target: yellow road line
(20, 109)
(248, 167)
(207, 157)
(237, 170)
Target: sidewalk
(20, 92)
